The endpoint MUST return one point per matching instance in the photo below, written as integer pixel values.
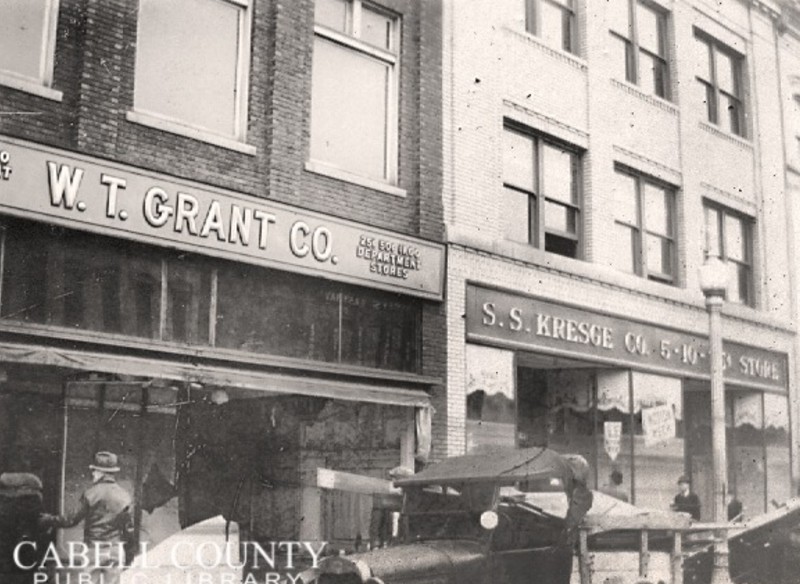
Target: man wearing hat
(105, 509)
(686, 501)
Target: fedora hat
(684, 479)
(105, 462)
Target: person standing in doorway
(105, 509)
(686, 501)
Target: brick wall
(95, 71)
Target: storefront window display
(645, 429)
(491, 399)
(189, 452)
(57, 278)
(776, 436)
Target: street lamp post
(713, 282)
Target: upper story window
(728, 235)
(644, 226)
(541, 202)
(553, 21)
(354, 89)
(28, 39)
(192, 62)
(720, 74)
(639, 44)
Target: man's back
(107, 511)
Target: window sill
(652, 99)
(716, 131)
(30, 87)
(159, 123)
(560, 54)
(342, 175)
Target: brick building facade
(595, 154)
(208, 269)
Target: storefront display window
(555, 409)
(746, 454)
(776, 436)
(659, 439)
(613, 432)
(55, 277)
(491, 402)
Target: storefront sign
(538, 325)
(658, 424)
(93, 195)
(612, 438)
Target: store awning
(213, 375)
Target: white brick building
(594, 153)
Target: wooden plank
(638, 522)
(353, 483)
(585, 558)
(644, 553)
(677, 559)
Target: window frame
(641, 268)
(537, 200)
(713, 109)
(43, 84)
(633, 49)
(533, 24)
(748, 223)
(351, 39)
(242, 89)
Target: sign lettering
(85, 193)
(535, 324)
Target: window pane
(625, 199)
(294, 319)
(652, 74)
(58, 278)
(703, 60)
(648, 24)
(658, 460)
(737, 282)
(732, 115)
(379, 330)
(776, 422)
(518, 160)
(516, 215)
(557, 178)
(712, 237)
(624, 256)
(560, 218)
(619, 16)
(709, 98)
(746, 450)
(725, 73)
(491, 403)
(552, 25)
(376, 28)
(659, 255)
(22, 36)
(188, 294)
(735, 238)
(620, 57)
(179, 59)
(331, 13)
(657, 210)
(560, 245)
(349, 110)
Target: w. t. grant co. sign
(93, 195)
(516, 321)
